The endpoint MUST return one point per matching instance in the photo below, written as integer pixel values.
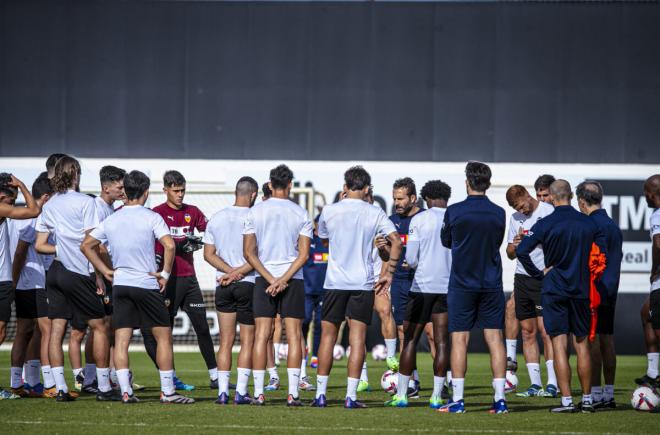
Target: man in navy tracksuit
(603, 356)
(314, 275)
(474, 230)
(567, 236)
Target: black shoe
(92, 388)
(64, 397)
(213, 384)
(108, 396)
(231, 386)
(511, 365)
(605, 405)
(586, 407)
(648, 381)
(444, 394)
(293, 401)
(565, 409)
(413, 392)
(127, 399)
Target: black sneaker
(108, 396)
(648, 381)
(92, 388)
(565, 409)
(586, 407)
(293, 401)
(413, 392)
(605, 405)
(444, 394)
(213, 384)
(64, 397)
(126, 398)
(511, 365)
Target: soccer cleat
(232, 386)
(453, 407)
(64, 397)
(586, 407)
(532, 391)
(413, 392)
(127, 399)
(213, 384)
(36, 391)
(392, 363)
(397, 402)
(511, 365)
(240, 399)
(79, 381)
(444, 394)
(20, 391)
(363, 386)
(550, 391)
(6, 395)
(649, 381)
(175, 399)
(50, 393)
(137, 387)
(306, 385)
(436, 402)
(499, 407)
(108, 396)
(353, 404)
(565, 409)
(90, 388)
(223, 399)
(605, 405)
(293, 401)
(273, 385)
(182, 386)
(259, 400)
(314, 362)
(320, 402)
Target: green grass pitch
(527, 415)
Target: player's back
(434, 265)
(225, 231)
(33, 273)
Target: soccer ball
(511, 382)
(644, 399)
(389, 381)
(379, 352)
(338, 352)
(283, 352)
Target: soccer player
(50, 163)
(350, 227)
(603, 355)
(427, 301)
(474, 230)
(276, 240)
(137, 288)
(542, 188)
(223, 249)
(527, 290)
(567, 237)
(69, 215)
(182, 288)
(9, 187)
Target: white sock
(597, 393)
(32, 372)
(458, 384)
(498, 386)
(511, 346)
(390, 344)
(103, 378)
(402, 393)
(242, 381)
(566, 400)
(552, 377)
(364, 376)
(124, 379)
(213, 373)
(90, 374)
(167, 382)
(586, 398)
(652, 368)
(60, 381)
(321, 385)
(47, 373)
(223, 382)
(277, 352)
(24, 373)
(608, 392)
(351, 388)
(272, 372)
(534, 370)
(113, 376)
(294, 380)
(438, 383)
(303, 368)
(76, 372)
(258, 376)
(449, 378)
(16, 379)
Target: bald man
(567, 236)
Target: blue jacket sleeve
(609, 282)
(525, 248)
(445, 232)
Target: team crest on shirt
(404, 239)
(187, 218)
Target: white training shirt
(277, 223)
(68, 216)
(5, 252)
(425, 253)
(131, 235)
(225, 231)
(33, 274)
(351, 225)
(655, 230)
(103, 210)
(519, 220)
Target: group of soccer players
(77, 260)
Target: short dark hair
(42, 186)
(590, 192)
(280, 177)
(5, 187)
(111, 174)
(406, 183)
(135, 184)
(436, 189)
(478, 176)
(52, 160)
(246, 186)
(543, 182)
(357, 178)
(266, 190)
(173, 178)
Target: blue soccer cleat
(397, 402)
(182, 386)
(223, 399)
(550, 391)
(320, 402)
(353, 404)
(453, 407)
(273, 385)
(499, 407)
(532, 391)
(240, 399)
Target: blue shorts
(565, 315)
(399, 293)
(469, 309)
